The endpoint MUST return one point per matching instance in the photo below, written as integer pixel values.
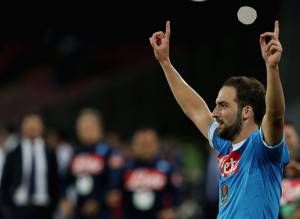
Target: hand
(167, 213)
(67, 208)
(90, 208)
(113, 198)
(272, 51)
(292, 169)
(160, 43)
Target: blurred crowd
(290, 200)
(44, 174)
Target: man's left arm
(273, 121)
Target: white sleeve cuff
(265, 143)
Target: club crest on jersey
(229, 164)
(145, 178)
(224, 194)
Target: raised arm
(273, 120)
(190, 102)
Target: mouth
(220, 124)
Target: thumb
(153, 43)
(262, 42)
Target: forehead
(32, 119)
(226, 94)
(145, 134)
(87, 118)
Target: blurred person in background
(292, 140)
(290, 200)
(183, 160)
(56, 140)
(171, 153)
(29, 186)
(4, 135)
(211, 194)
(115, 140)
(93, 172)
(4, 148)
(150, 188)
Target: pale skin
(226, 108)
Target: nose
(216, 113)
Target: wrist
(272, 67)
(165, 61)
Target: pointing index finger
(276, 28)
(168, 29)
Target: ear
(247, 112)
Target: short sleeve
(277, 152)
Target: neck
(31, 139)
(247, 129)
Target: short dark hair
(251, 92)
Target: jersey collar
(236, 146)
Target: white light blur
(246, 15)
(198, 0)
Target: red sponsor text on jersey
(91, 164)
(145, 178)
(229, 164)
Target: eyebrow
(221, 102)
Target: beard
(230, 132)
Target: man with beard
(246, 127)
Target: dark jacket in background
(12, 179)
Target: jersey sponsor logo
(90, 164)
(145, 178)
(229, 164)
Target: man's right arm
(190, 102)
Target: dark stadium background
(58, 58)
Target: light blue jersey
(250, 175)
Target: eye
(223, 105)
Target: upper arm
(6, 179)
(272, 130)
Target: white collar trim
(237, 146)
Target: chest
(144, 178)
(233, 163)
(88, 164)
